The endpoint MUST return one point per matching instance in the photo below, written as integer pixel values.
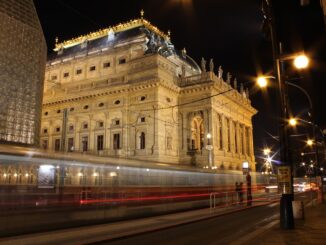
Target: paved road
(220, 230)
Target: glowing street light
(293, 121)
(267, 151)
(301, 62)
(310, 142)
(262, 82)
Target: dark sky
(229, 31)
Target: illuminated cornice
(105, 32)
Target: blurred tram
(35, 178)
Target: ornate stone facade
(126, 91)
(22, 64)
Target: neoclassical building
(125, 91)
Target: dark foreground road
(225, 229)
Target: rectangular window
(228, 134)
(45, 144)
(70, 144)
(66, 74)
(92, 68)
(100, 141)
(57, 145)
(122, 61)
(54, 77)
(117, 122)
(79, 71)
(106, 65)
(235, 138)
(116, 141)
(45, 131)
(57, 129)
(85, 143)
(142, 119)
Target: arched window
(142, 139)
(197, 133)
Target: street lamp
(310, 142)
(209, 147)
(301, 61)
(267, 151)
(293, 121)
(262, 82)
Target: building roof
(156, 41)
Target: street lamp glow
(303, 164)
(293, 122)
(267, 151)
(311, 165)
(310, 142)
(209, 136)
(321, 169)
(269, 159)
(262, 82)
(301, 62)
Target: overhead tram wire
(191, 102)
(93, 22)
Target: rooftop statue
(211, 65)
(220, 72)
(203, 65)
(228, 78)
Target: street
(223, 229)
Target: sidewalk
(311, 230)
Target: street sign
(284, 179)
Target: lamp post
(209, 147)
(286, 211)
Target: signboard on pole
(284, 179)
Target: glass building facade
(22, 64)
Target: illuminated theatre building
(125, 91)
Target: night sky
(229, 31)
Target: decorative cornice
(105, 32)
